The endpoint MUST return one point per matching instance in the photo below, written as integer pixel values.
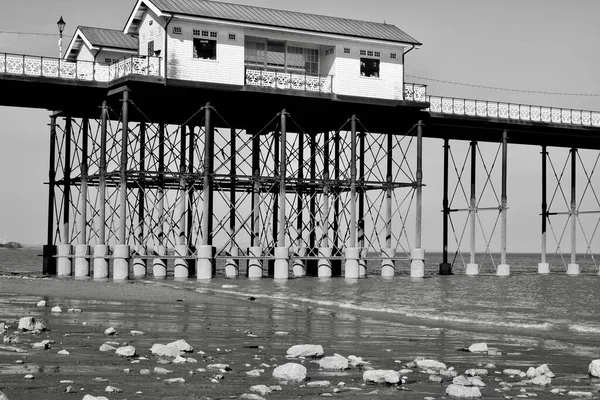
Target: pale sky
(536, 45)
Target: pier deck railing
(35, 66)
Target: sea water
(549, 307)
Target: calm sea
(553, 307)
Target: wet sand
(239, 332)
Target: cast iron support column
(82, 249)
(101, 249)
(417, 265)
(65, 266)
(336, 264)
(352, 251)
(255, 265)
(472, 267)
(122, 252)
(139, 264)
(299, 266)
(362, 262)
(181, 249)
(543, 266)
(573, 267)
(282, 251)
(388, 265)
(325, 252)
(206, 252)
(275, 205)
(49, 262)
(312, 265)
(445, 266)
(159, 265)
(232, 265)
(504, 268)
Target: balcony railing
(78, 70)
(490, 109)
(283, 80)
(415, 92)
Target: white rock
(179, 360)
(290, 372)
(476, 372)
(30, 324)
(357, 361)
(305, 350)
(42, 303)
(162, 371)
(462, 380)
(381, 376)
(448, 373)
(90, 397)
(112, 389)
(126, 351)
(334, 363)
(512, 372)
(110, 331)
(555, 391)
(541, 380)
(281, 333)
(181, 345)
(263, 390)
(320, 384)
(63, 353)
(478, 348)
(29, 376)
(580, 394)
(56, 309)
(254, 373)
(136, 333)
(219, 367)
(593, 369)
(74, 310)
(430, 364)
(251, 396)
(162, 350)
(174, 380)
(107, 347)
(463, 392)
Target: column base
(388, 267)
(351, 267)
(182, 270)
(417, 263)
(282, 263)
(64, 262)
(362, 263)
(232, 265)
(139, 264)
(299, 267)
(159, 265)
(543, 268)
(49, 262)
(573, 269)
(121, 256)
(82, 261)
(325, 266)
(255, 265)
(472, 269)
(446, 269)
(206, 263)
(503, 270)
(101, 252)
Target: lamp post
(61, 27)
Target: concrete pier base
(182, 269)
(543, 268)
(255, 265)
(139, 264)
(573, 269)
(351, 267)
(121, 256)
(472, 269)
(445, 269)
(325, 268)
(232, 265)
(206, 263)
(362, 263)
(299, 266)
(159, 265)
(101, 261)
(82, 261)
(388, 267)
(417, 263)
(282, 263)
(503, 270)
(64, 261)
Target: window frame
(374, 70)
(195, 54)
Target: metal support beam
(232, 192)
(191, 191)
(122, 233)
(543, 266)
(325, 214)
(282, 180)
(300, 204)
(573, 267)
(353, 176)
(361, 196)
(161, 186)
(445, 266)
(472, 267)
(67, 179)
(255, 228)
(207, 216)
(419, 197)
(140, 237)
(180, 222)
(102, 175)
(83, 199)
(503, 268)
(49, 262)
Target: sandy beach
(246, 334)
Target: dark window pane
(369, 67)
(151, 48)
(205, 49)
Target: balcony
(78, 70)
(289, 81)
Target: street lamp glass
(61, 25)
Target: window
(214, 34)
(393, 56)
(108, 60)
(150, 48)
(232, 36)
(329, 51)
(150, 22)
(177, 30)
(197, 32)
(377, 54)
(302, 60)
(205, 49)
(369, 67)
(347, 50)
(205, 33)
(363, 52)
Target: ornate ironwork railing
(290, 81)
(521, 112)
(415, 92)
(78, 70)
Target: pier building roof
(100, 38)
(267, 17)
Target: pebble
(263, 390)
(112, 389)
(319, 384)
(28, 376)
(42, 303)
(162, 371)
(74, 310)
(63, 353)
(174, 380)
(56, 309)
(110, 331)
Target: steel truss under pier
(272, 193)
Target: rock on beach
(126, 351)
(478, 348)
(594, 369)
(463, 392)
(31, 324)
(381, 376)
(290, 372)
(334, 363)
(305, 350)
(430, 364)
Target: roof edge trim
(137, 6)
